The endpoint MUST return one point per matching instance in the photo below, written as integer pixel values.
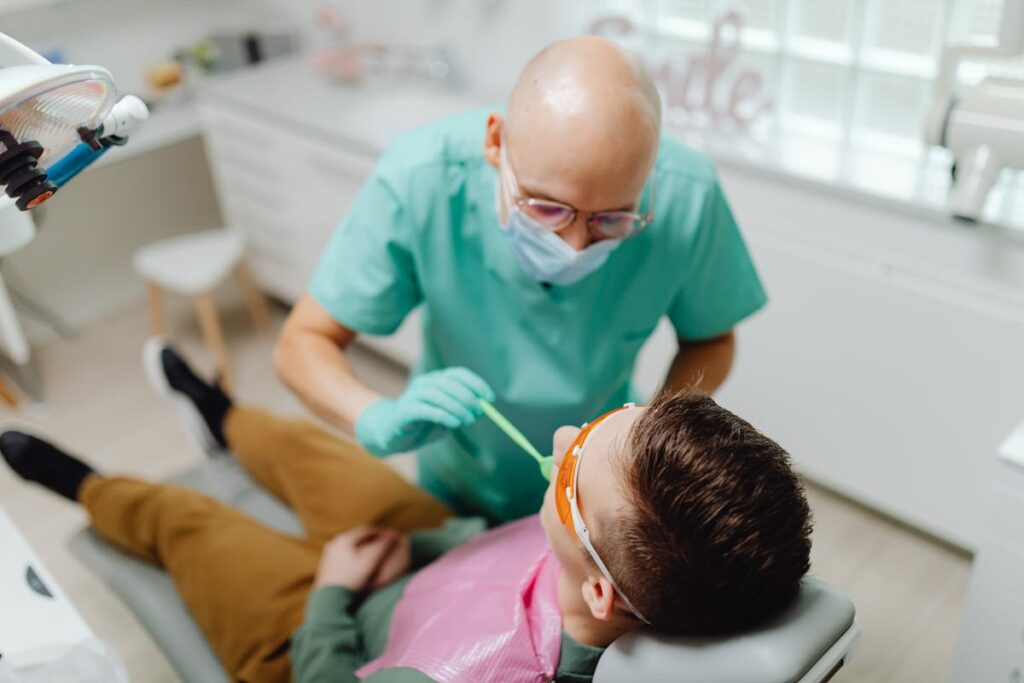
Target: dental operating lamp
(55, 120)
(984, 125)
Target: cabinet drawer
(241, 131)
(330, 178)
(286, 190)
(338, 164)
(270, 246)
(328, 192)
(991, 642)
(243, 193)
(248, 164)
(244, 158)
(264, 234)
(1006, 518)
(280, 279)
(999, 567)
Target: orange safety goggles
(568, 472)
(567, 501)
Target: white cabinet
(991, 643)
(285, 190)
(289, 151)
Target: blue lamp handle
(73, 163)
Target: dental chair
(807, 644)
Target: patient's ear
(600, 597)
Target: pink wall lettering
(705, 85)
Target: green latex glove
(434, 404)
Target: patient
(678, 514)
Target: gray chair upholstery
(149, 591)
(805, 645)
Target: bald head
(582, 125)
(585, 77)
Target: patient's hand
(363, 558)
(395, 564)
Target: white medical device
(984, 126)
(55, 119)
(42, 635)
(990, 646)
(44, 615)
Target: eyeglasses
(567, 500)
(554, 216)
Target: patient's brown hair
(718, 537)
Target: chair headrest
(781, 651)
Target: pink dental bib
(486, 611)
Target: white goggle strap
(584, 534)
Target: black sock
(210, 400)
(42, 462)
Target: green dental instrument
(517, 436)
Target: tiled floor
(908, 590)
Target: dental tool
(543, 461)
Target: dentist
(542, 260)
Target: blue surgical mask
(543, 255)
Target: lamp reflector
(49, 103)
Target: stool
(7, 395)
(193, 265)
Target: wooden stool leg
(156, 309)
(7, 395)
(254, 299)
(213, 337)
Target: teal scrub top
(424, 231)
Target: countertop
(362, 117)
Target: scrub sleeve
(720, 286)
(366, 279)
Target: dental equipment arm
(980, 126)
(55, 120)
(127, 115)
